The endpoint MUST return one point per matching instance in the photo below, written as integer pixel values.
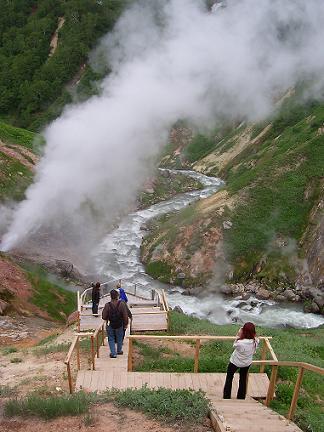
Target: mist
(170, 60)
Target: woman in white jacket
(245, 346)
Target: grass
(49, 296)
(288, 344)
(49, 407)
(44, 350)
(14, 135)
(165, 404)
(9, 350)
(7, 391)
(276, 183)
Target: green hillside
(33, 78)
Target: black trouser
(231, 369)
(95, 308)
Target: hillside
(43, 50)
(266, 224)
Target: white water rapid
(118, 257)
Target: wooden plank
(79, 380)
(87, 380)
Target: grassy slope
(14, 176)
(277, 172)
(288, 344)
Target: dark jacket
(122, 308)
(95, 295)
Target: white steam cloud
(170, 60)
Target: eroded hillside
(268, 218)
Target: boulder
(317, 296)
(226, 290)
(263, 294)
(314, 308)
(227, 224)
(280, 298)
(289, 294)
(178, 309)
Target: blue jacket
(122, 295)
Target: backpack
(115, 317)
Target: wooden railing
(273, 379)
(197, 340)
(274, 363)
(97, 338)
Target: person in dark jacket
(95, 297)
(115, 312)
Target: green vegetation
(8, 350)
(288, 344)
(49, 407)
(13, 135)
(173, 405)
(159, 270)
(44, 350)
(276, 206)
(168, 405)
(49, 296)
(6, 391)
(14, 178)
(32, 83)
(200, 146)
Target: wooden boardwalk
(147, 315)
(232, 415)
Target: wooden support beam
(78, 353)
(130, 355)
(272, 385)
(197, 349)
(296, 393)
(93, 361)
(263, 355)
(69, 377)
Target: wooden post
(79, 319)
(92, 353)
(103, 335)
(130, 355)
(69, 377)
(263, 355)
(135, 290)
(152, 294)
(272, 385)
(97, 342)
(296, 392)
(78, 354)
(197, 349)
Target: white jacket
(243, 353)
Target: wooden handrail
(269, 347)
(70, 352)
(193, 337)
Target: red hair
(248, 331)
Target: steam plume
(169, 59)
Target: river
(118, 257)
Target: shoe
(112, 356)
(120, 353)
